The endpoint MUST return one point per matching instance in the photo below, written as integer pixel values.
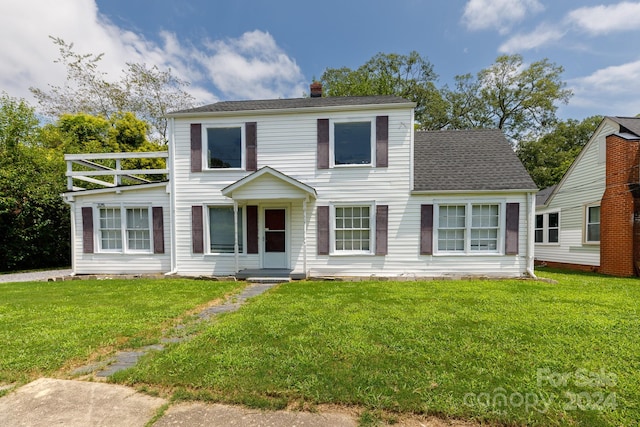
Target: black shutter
(323, 230)
(158, 230)
(251, 144)
(382, 141)
(382, 229)
(87, 230)
(197, 230)
(196, 147)
(511, 236)
(323, 143)
(426, 229)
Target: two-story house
(313, 187)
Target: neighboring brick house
(338, 186)
(591, 219)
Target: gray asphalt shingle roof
(281, 104)
(632, 124)
(474, 160)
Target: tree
(150, 93)
(520, 100)
(409, 76)
(548, 157)
(18, 124)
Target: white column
(304, 235)
(235, 234)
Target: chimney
(316, 90)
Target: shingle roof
(474, 160)
(632, 124)
(542, 196)
(281, 104)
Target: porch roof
(268, 183)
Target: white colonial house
(309, 187)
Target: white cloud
(606, 19)
(253, 66)
(497, 14)
(541, 36)
(250, 66)
(607, 90)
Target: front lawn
(45, 325)
(511, 352)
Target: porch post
(235, 234)
(304, 235)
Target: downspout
(531, 217)
(72, 209)
(304, 236)
(172, 199)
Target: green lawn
(45, 325)
(508, 352)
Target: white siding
(583, 184)
(288, 143)
(122, 263)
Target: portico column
(235, 233)
(304, 235)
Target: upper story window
(468, 228)
(592, 224)
(352, 143)
(224, 147)
(547, 228)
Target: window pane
(539, 221)
(222, 229)
(553, 235)
(593, 233)
(553, 220)
(594, 214)
(224, 147)
(539, 236)
(352, 143)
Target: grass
(505, 352)
(47, 325)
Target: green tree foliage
(409, 76)
(548, 157)
(34, 221)
(519, 99)
(148, 92)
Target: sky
(261, 49)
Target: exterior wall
(287, 142)
(583, 184)
(121, 263)
(618, 207)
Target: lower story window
(593, 224)
(353, 229)
(110, 229)
(222, 229)
(547, 227)
(135, 226)
(138, 229)
(468, 228)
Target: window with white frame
(222, 230)
(133, 223)
(469, 228)
(592, 224)
(547, 228)
(224, 147)
(352, 142)
(352, 229)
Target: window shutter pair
(324, 229)
(382, 142)
(251, 147)
(511, 235)
(197, 229)
(157, 230)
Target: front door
(275, 239)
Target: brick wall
(619, 235)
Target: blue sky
(251, 49)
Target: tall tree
(409, 76)
(149, 92)
(548, 157)
(509, 95)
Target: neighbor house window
(224, 147)
(352, 229)
(133, 223)
(352, 143)
(592, 226)
(547, 228)
(222, 230)
(468, 228)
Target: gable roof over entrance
(268, 183)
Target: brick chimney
(315, 90)
(620, 208)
